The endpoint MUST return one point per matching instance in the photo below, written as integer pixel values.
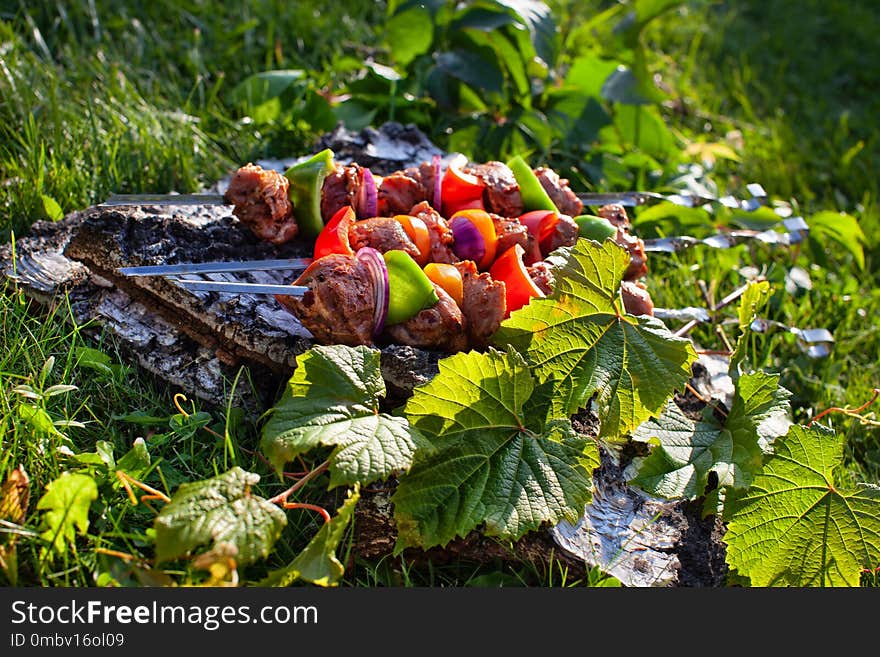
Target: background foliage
(651, 94)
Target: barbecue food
(339, 306)
(501, 193)
(638, 259)
(489, 210)
(483, 305)
(559, 192)
(439, 233)
(262, 203)
(442, 326)
(383, 234)
(636, 298)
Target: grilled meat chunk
(340, 188)
(483, 303)
(559, 192)
(636, 298)
(339, 305)
(439, 232)
(501, 194)
(400, 191)
(442, 326)
(510, 231)
(565, 233)
(261, 201)
(383, 234)
(638, 259)
(541, 274)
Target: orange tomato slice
(417, 230)
(448, 277)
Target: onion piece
(438, 179)
(469, 243)
(368, 195)
(375, 264)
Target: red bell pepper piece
(519, 285)
(333, 238)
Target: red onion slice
(368, 195)
(375, 264)
(469, 243)
(438, 179)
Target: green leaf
(477, 68)
(318, 563)
(222, 509)
(51, 210)
(332, 400)
(642, 127)
(622, 86)
(794, 527)
(753, 299)
(588, 73)
(38, 419)
(841, 228)
(93, 359)
(496, 461)
(408, 34)
(580, 339)
(685, 451)
(66, 505)
(136, 461)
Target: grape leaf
(332, 400)
(753, 299)
(794, 527)
(221, 509)
(685, 451)
(66, 504)
(318, 563)
(580, 339)
(496, 460)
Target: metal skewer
(232, 287)
(217, 267)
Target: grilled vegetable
(306, 179)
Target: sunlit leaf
(497, 464)
(65, 506)
(332, 400)
(580, 339)
(222, 509)
(797, 525)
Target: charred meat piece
(501, 194)
(340, 188)
(636, 298)
(442, 327)
(565, 233)
(398, 192)
(261, 201)
(510, 231)
(638, 259)
(483, 303)
(338, 307)
(383, 234)
(541, 274)
(559, 192)
(424, 174)
(439, 232)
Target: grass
(103, 96)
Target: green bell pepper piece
(595, 228)
(306, 179)
(534, 195)
(409, 288)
